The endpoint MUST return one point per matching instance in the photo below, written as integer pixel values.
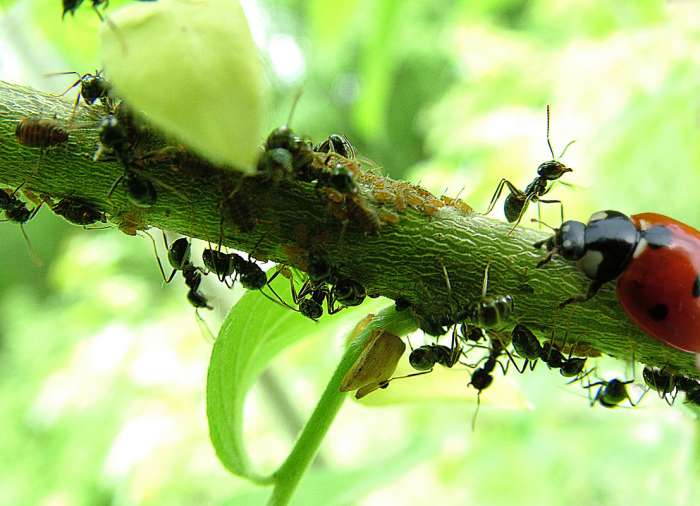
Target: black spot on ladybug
(696, 287)
(659, 312)
(658, 237)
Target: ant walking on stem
(517, 201)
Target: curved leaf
(192, 67)
(254, 332)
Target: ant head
(341, 179)
(282, 137)
(337, 144)
(568, 241)
(552, 170)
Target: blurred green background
(102, 369)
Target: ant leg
(600, 385)
(35, 210)
(512, 360)
(204, 327)
(526, 203)
(36, 259)
(627, 393)
(160, 264)
(581, 376)
(592, 290)
(114, 187)
(496, 195)
(549, 255)
(561, 207)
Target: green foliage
(450, 93)
(254, 332)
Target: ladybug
(656, 261)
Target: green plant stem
(407, 258)
(288, 476)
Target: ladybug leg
(592, 290)
(548, 257)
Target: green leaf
(192, 67)
(254, 332)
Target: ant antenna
(536, 220)
(565, 148)
(295, 101)
(485, 282)
(476, 411)
(549, 143)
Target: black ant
(348, 292)
(425, 357)
(224, 265)
(527, 346)
(482, 378)
(115, 135)
(179, 254)
(569, 367)
(402, 304)
(17, 211)
(286, 154)
(319, 268)
(78, 211)
(72, 6)
(610, 393)
(93, 87)
(664, 383)
(517, 201)
(490, 311)
(311, 297)
(338, 178)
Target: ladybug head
(552, 170)
(567, 241)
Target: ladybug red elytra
(656, 261)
